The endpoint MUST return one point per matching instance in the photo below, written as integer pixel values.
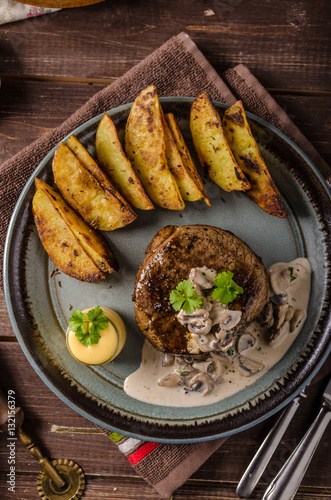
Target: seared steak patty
(170, 256)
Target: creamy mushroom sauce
(291, 282)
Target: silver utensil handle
(288, 480)
(262, 457)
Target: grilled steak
(170, 256)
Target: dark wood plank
(28, 109)
(285, 45)
(106, 488)
(114, 488)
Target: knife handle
(288, 480)
(262, 457)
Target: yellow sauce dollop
(109, 346)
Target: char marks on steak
(170, 256)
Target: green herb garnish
(88, 331)
(230, 351)
(226, 289)
(292, 275)
(185, 297)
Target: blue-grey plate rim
(44, 376)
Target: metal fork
(267, 449)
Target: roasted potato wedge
(92, 242)
(181, 163)
(60, 243)
(88, 162)
(91, 195)
(212, 147)
(113, 161)
(145, 148)
(264, 191)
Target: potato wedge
(113, 161)
(59, 242)
(181, 163)
(145, 148)
(212, 147)
(101, 207)
(88, 162)
(264, 191)
(92, 242)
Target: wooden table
(49, 67)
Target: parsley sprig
(226, 289)
(185, 297)
(88, 330)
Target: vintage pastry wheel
(59, 479)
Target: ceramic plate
(39, 305)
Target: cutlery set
(286, 483)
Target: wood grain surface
(50, 66)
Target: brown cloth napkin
(177, 68)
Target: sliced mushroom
(226, 318)
(222, 344)
(289, 313)
(266, 317)
(184, 368)
(169, 380)
(201, 327)
(298, 271)
(280, 314)
(222, 358)
(278, 335)
(203, 341)
(167, 359)
(280, 280)
(247, 366)
(201, 382)
(203, 366)
(198, 278)
(212, 366)
(298, 316)
(197, 289)
(197, 322)
(185, 318)
(180, 360)
(278, 299)
(216, 370)
(245, 341)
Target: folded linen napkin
(14, 11)
(177, 68)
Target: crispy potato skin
(102, 208)
(264, 191)
(145, 148)
(181, 163)
(113, 161)
(60, 243)
(87, 161)
(212, 147)
(91, 241)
